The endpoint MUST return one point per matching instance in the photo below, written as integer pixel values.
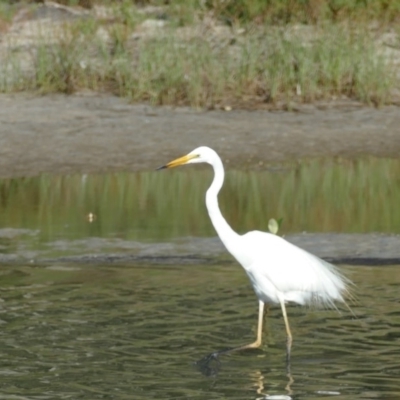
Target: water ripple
(136, 331)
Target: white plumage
(279, 271)
(295, 274)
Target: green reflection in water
(317, 196)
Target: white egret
(279, 271)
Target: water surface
(135, 331)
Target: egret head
(202, 154)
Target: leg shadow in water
(210, 365)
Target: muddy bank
(353, 249)
(94, 133)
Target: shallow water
(136, 332)
(319, 196)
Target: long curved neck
(225, 232)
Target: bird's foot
(210, 365)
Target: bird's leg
(289, 334)
(205, 364)
(258, 341)
(253, 345)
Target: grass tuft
(260, 65)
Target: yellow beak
(179, 161)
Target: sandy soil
(95, 133)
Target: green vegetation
(251, 54)
(276, 11)
(305, 11)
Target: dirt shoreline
(100, 133)
(92, 133)
(373, 249)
